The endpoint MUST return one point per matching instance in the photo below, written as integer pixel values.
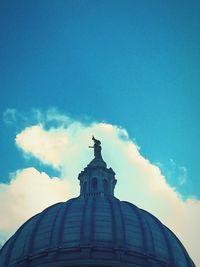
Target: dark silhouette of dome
(94, 229)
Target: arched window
(105, 186)
(94, 184)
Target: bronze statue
(97, 148)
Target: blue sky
(134, 65)
(130, 63)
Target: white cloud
(178, 172)
(139, 181)
(52, 115)
(18, 201)
(10, 116)
(182, 178)
(47, 146)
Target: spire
(96, 179)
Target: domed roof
(94, 229)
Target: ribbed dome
(97, 231)
(94, 229)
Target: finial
(97, 148)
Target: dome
(94, 229)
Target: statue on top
(97, 148)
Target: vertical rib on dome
(62, 222)
(10, 246)
(33, 235)
(162, 230)
(143, 231)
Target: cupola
(96, 179)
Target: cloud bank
(64, 147)
(28, 193)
